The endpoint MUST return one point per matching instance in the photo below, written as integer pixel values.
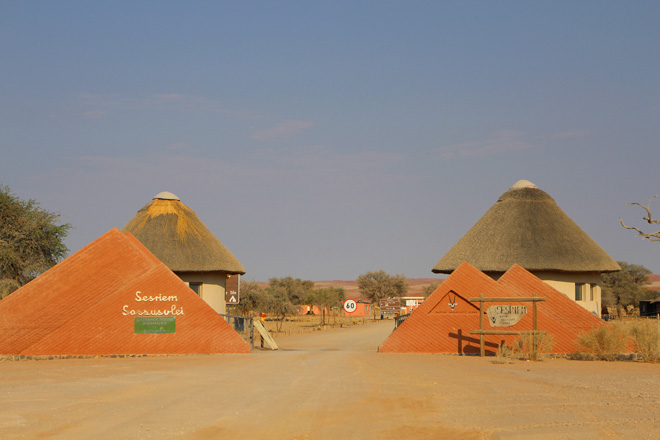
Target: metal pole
(482, 342)
(534, 343)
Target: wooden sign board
(268, 339)
(505, 316)
(233, 289)
(390, 306)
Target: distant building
(178, 238)
(526, 227)
(649, 308)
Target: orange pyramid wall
(87, 305)
(437, 328)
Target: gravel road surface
(328, 385)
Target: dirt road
(328, 385)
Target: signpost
(502, 314)
(390, 306)
(233, 289)
(350, 306)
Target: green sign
(155, 324)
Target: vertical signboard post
(390, 306)
(506, 316)
(233, 289)
(350, 306)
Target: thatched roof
(526, 227)
(174, 234)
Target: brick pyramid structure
(443, 322)
(113, 297)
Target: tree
(295, 289)
(31, 241)
(429, 289)
(254, 298)
(380, 285)
(626, 287)
(326, 298)
(651, 236)
(280, 305)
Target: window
(196, 287)
(579, 288)
(592, 290)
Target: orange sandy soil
(328, 385)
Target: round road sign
(350, 305)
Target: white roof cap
(523, 184)
(166, 195)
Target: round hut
(526, 227)
(178, 238)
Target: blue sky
(325, 139)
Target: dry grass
(525, 346)
(645, 335)
(505, 354)
(306, 323)
(523, 349)
(616, 340)
(605, 342)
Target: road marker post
(350, 306)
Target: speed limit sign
(350, 305)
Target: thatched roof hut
(178, 238)
(526, 227)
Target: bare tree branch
(651, 236)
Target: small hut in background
(526, 227)
(178, 238)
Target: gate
(244, 326)
(398, 320)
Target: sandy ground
(328, 385)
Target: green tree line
(285, 296)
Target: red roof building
(113, 297)
(442, 323)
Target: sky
(322, 140)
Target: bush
(505, 354)
(525, 346)
(604, 342)
(645, 334)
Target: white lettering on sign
(173, 310)
(159, 297)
